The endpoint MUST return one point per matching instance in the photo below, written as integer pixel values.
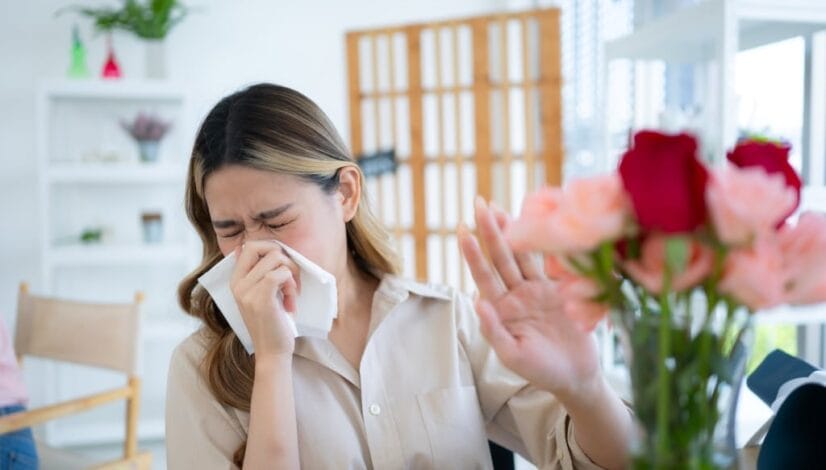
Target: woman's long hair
(272, 128)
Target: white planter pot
(155, 66)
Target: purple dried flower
(146, 127)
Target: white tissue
(316, 306)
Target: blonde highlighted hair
(271, 128)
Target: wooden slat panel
(443, 89)
(397, 206)
(481, 98)
(354, 93)
(542, 91)
(465, 21)
(458, 160)
(414, 81)
(374, 70)
(440, 124)
(530, 136)
(506, 112)
(550, 96)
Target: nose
(255, 233)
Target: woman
(406, 378)
(17, 448)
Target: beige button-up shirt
(429, 393)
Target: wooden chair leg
(132, 410)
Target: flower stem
(663, 374)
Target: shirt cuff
(569, 456)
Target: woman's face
(247, 204)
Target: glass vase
(686, 362)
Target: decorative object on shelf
(681, 256)
(78, 67)
(152, 223)
(111, 69)
(147, 130)
(91, 235)
(150, 20)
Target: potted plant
(149, 20)
(147, 130)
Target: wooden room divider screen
(470, 106)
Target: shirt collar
(399, 289)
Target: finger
(281, 280)
(480, 269)
(497, 247)
(249, 255)
(495, 332)
(272, 260)
(530, 264)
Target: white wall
(218, 49)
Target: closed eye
(278, 226)
(231, 235)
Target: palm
(547, 348)
(521, 312)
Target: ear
(349, 191)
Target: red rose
(772, 157)
(666, 182)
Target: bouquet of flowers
(681, 255)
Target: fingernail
(480, 202)
(495, 206)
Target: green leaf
(149, 19)
(676, 254)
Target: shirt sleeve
(200, 432)
(518, 415)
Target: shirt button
(375, 409)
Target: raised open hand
(521, 312)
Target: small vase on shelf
(78, 67)
(147, 130)
(148, 150)
(111, 68)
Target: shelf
(116, 173)
(112, 90)
(114, 255)
(690, 34)
(801, 315)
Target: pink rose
(754, 276)
(572, 220)
(804, 256)
(745, 202)
(772, 157)
(649, 269)
(577, 295)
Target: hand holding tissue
(316, 305)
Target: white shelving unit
(90, 176)
(711, 32)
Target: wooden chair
(98, 335)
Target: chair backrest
(94, 334)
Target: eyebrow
(265, 215)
